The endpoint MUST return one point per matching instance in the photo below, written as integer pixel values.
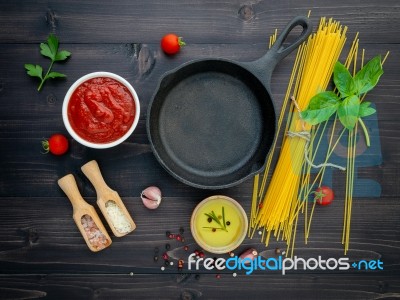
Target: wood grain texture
(224, 21)
(42, 253)
(124, 286)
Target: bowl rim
(224, 249)
(67, 98)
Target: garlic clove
(151, 197)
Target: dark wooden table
(42, 254)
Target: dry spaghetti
(290, 186)
(313, 68)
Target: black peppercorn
(167, 246)
(181, 230)
(155, 258)
(228, 223)
(209, 220)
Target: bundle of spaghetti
(314, 65)
(307, 186)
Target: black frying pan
(211, 122)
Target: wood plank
(41, 236)
(217, 22)
(131, 167)
(122, 286)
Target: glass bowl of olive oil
(219, 224)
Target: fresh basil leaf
(343, 80)
(321, 107)
(62, 55)
(369, 75)
(55, 75)
(34, 70)
(365, 110)
(348, 111)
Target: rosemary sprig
(223, 217)
(214, 217)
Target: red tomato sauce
(101, 110)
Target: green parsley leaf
(50, 50)
(34, 70)
(62, 55)
(365, 110)
(52, 41)
(348, 111)
(321, 107)
(343, 80)
(45, 51)
(55, 75)
(367, 78)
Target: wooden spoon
(95, 234)
(104, 196)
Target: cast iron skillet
(211, 122)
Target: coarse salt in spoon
(85, 216)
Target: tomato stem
(46, 146)
(180, 42)
(319, 195)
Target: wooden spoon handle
(68, 185)
(92, 171)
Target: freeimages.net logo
(280, 263)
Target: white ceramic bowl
(67, 98)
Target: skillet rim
(244, 65)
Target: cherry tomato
(324, 195)
(57, 144)
(171, 43)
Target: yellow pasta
(279, 205)
(277, 209)
(351, 155)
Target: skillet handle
(278, 51)
(266, 64)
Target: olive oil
(218, 236)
